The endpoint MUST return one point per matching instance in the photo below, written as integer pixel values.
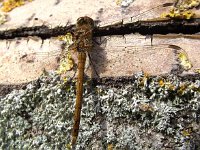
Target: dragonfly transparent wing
(33, 56)
(117, 58)
(153, 12)
(125, 59)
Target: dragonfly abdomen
(79, 95)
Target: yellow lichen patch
(181, 89)
(182, 10)
(177, 14)
(68, 147)
(194, 3)
(146, 107)
(187, 132)
(9, 5)
(187, 14)
(188, 4)
(184, 61)
(110, 147)
(161, 83)
(197, 71)
(3, 18)
(143, 81)
(66, 64)
(118, 2)
(194, 87)
(171, 87)
(167, 85)
(67, 38)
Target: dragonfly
(82, 43)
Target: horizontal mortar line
(173, 36)
(124, 80)
(148, 27)
(110, 81)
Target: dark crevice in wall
(150, 27)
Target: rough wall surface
(148, 113)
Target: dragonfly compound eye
(85, 21)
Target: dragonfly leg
(71, 78)
(100, 41)
(151, 38)
(42, 43)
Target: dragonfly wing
(122, 57)
(154, 10)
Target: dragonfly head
(85, 21)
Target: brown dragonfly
(82, 43)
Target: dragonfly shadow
(98, 59)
